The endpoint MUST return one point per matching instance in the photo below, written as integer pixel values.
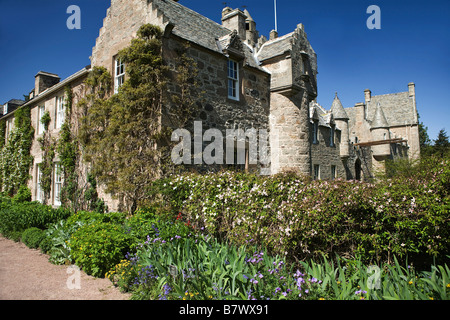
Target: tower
(341, 119)
(380, 131)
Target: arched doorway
(358, 169)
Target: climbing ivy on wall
(68, 155)
(15, 157)
(48, 146)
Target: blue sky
(413, 45)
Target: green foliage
(17, 217)
(15, 157)
(46, 167)
(2, 132)
(45, 120)
(288, 215)
(32, 237)
(23, 194)
(98, 247)
(122, 135)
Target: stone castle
(249, 81)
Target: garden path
(26, 274)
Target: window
(233, 80)
(316, 172)
(9, 128)
(5, 109)
(60, 112)
(57, 183)
(39, 191)
(40, 126)
(333, 172)
(315, 132)
(332, 131)
(119, 74)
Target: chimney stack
(235, 20)
(43, 81)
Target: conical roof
(338, 110)
(249, 17)
(379, 119)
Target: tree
(123, 136)
(424, 139)
(441, 144)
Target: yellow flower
(410, 282)
(431, 298)
(321, 298)
(448, 285)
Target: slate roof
(198, 29)
(379, 119)
(275, 47)
(398, 108)
(338, 110)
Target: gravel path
(26, 274)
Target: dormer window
(119, 74)
(233, 80)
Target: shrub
(98, 247)
(290, 215)
(46, 244)
(21, 216)
(32, 237)
(23, 195)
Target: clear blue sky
(413, 45)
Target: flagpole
(276, 22)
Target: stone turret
(341, 119)
(251, 32)
(380, 131)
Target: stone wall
(213, 107)
(326, 155)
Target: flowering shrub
(302, 219)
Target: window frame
(40, 126)
(332, 138)
(119, 78)
(315, 132)
(333, 172)
(39, 192)
(233, 80)
(316, 172)
(57, 184)
(60, 111)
